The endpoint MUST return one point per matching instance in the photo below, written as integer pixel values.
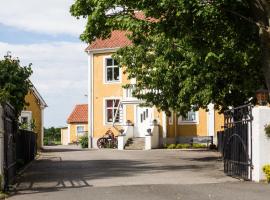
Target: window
(112, 70)
(25, 120)
(80, 130)
(192, 117)
(111, 106)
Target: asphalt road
(70, 173)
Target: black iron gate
(10, 129)
(237, 142)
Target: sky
(45, 34)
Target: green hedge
(185, 146)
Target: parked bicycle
(107, 141)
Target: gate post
(260, 142)
(1, 148)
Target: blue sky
(43, 33)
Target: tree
(186, 54)
(14, 82)
(52, 133)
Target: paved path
(69, 173)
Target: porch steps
(135, 144)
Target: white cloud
(60, 75)
(43, 16)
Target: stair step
(135, 144)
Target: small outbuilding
(77, 125)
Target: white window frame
(182, 121)
(27, 114)
(79, 133)
(105, 122)
(105, 81)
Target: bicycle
(107, 141)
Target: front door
(144, 116)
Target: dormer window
(112, 70)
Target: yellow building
(32, 115)
(113, 107)
(77, 125)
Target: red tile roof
(79, 114)
(118, 39)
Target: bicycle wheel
(102, 143)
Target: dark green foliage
(52, 135)
(14, 82)
(196, 52)
(186, 146)
(267, 130)
(83, 141)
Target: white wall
(122, 139)
(152, 140)
(260, 142)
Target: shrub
(266, 170)
(46, 141)
(171, 146)
(267, 130)
(182, 146)
(83, 141)
(198, 146)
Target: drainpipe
(90, 99)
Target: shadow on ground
(52, 173)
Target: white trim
(164, 125)
(42, 127)
(183, 122)
(103, 50)
(104, 110)
(90, 100)
(105, 73)
(211, 120)
(39, 97)
(28, 115)
(135, 114)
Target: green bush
(171, 146)
(46, 141)
(267, 130)
(182, 146)
(266, 170)
(198, 146)
(185, 146)
(83, 141)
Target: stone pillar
(260, 142)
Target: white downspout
(164, 126)
(90, 99)
(42, 127)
